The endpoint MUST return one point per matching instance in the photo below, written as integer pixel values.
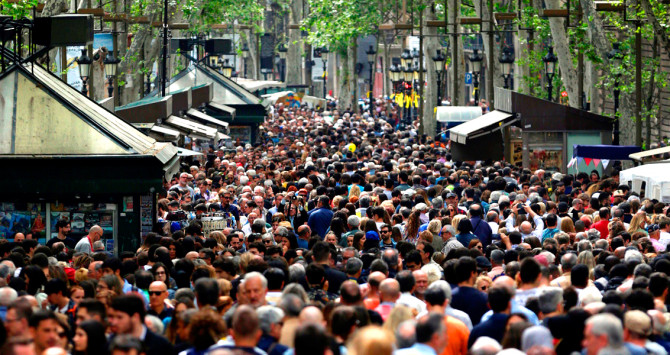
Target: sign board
(468, 78)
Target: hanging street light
(507, 61)
(616, 58)
(111, 66)
(476, 59)
(84, 65)
(282, 49)
(550, 69)
(405, 58)
(439, 59)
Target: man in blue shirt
(480, 227)
(431, 337)
(499, 299)
(320, 217)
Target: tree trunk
(562, 49)
(343, 77)
(602, 47)
(253, 70)
(353, 79)
(430, 46)
(457, 82)
(484, 13)
(295, 45)
(659, 29)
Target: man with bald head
(85, 244)
(510, 284)
(158, 293)
(311, 314)
(375, 279)
(389, 292)
(19, 237)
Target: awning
(256, 85)
(446, 114)
(480, 126)
(193, 129)
(651, 155)
(222, 108)
(167, 132)
(609, 152)
(183, 152)
(205, 117)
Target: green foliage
(19, 9)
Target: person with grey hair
(492, 218)
(584, 245)
(497, 263)
(551, 302)
(353, 223)
(98, 246)
(449, 239)
(602, 244)
(85, 244)
(256, 288)
(593, 235)
(7, 296)
(270, 318)
(7, 270)
(568, 261)
(154, 324)
(353, 268)
(537, 339)
(603, 334)
(450, 311)
(296, 272)
(485, 346)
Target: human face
(157, 294)
(160, 274)
(285, 243)
(173, 251)
(46, 334)
(235, 243)
(331, 239)
(77, 295)
(386, 233)
(268, 242)
(14, 325)
(80, 340)
(120, 322)
(421, 279)
(484, 286)
(350, 241)
(225, 199)
(255, 291)
(101, 286)
(65, 230)
(412, 266)
(346, 255)
(593, 343)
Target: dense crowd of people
(350, 234)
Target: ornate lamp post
(111, 65)
(550, 69)
(371, 53)
(214, 62)
(616, 57)
(408, 74)
(84, 65)
(324, 50)
(476, 59)
(507, 60)
(245, 55)
(439, 59)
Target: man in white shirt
(407, 286)
(665, 231)
(85, 244)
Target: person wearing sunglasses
(158, 293)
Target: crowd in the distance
(348, 235)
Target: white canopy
(445, 114)
(481, 125)
(656, 178)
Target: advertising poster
(77, 224)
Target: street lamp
(439, 59)
(408, 74)
(111, 65)
(550, 69)
(84, 65)
(405, 58)
(616, 57)
(282, 59)
(227, 69)
(371, 53)
(507, 60)
(476, 59)
(214, 62)
(322, 51)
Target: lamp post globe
(84, 65)
(550, 69)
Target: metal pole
(372, 104)
(439, 83)
(476, 75)
(455, 94)
(165, 48)
(490, 66)
(549, 87)
(325, 76)
(638, 84)
(580, 68)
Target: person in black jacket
(128, 319)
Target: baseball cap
(371, 235)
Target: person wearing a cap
(636, 332)
(654, 235)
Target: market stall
(649, 180)
(589, 157)
(72, 158)
(539, 132)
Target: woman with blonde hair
(371, 340)
(637, 223)
(398, 315)
(568, 227)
